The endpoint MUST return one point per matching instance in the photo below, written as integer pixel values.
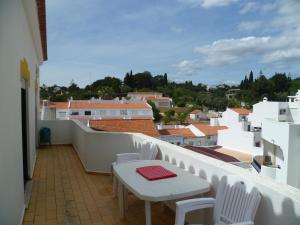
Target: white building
(193, 135)
(96, 109)
(155, 97)
(280, 124)
(240, 135)
(22, 50)
(198, 115)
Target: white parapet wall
(280, 203)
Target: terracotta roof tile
(195, 111)
(209, 130)
(145, 126)
(58, 105)
(85, 105)
(241, 111)
(186, 132)
(161, 99)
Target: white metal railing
(280, 203)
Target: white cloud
(248, 7)
(208, 3)
(282, 56)
(188, 67)
(289, 16)
(249, 25)
(278, 50)
(252, 6)
(229, 51)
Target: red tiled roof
(186, 132)
(42, 23)
(209, 130)
(161, 99)
(241, 111)
(145, 126)
(195, 111)
(58, 105)
(85, 105)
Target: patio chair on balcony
(236, 203)
(148, 151)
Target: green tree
(170, 113)
(155, 111)
(181, 117)
(106, 92)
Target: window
(123, 112)
(74, 113)
(62, 114)
(87, 113)
(102, 112)
(282, 111)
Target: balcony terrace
(64, 192)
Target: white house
(280, 125)
(141, 95)
(198, 115)
(208, 134)
(23, 50)
(240, 135)
(96, 109)
(155, 97)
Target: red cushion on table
(155, 172)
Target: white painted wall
(16, 43)
(287, 137)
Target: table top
(184, 185)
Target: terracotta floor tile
(63, 193)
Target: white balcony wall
(280, 203)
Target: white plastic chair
(236, 203)
(148, 151)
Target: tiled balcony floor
(63, 193)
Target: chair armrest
(127, 157)
(243, 223)
(182, 207)
(194, 204)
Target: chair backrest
(149, 151)
(236, 201)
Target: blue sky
(207, 41)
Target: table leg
(125, 191)
(148, 212)
(121, 198)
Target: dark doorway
(24, 135)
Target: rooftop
(88, 105)
(160, 99)
(241, 111)
(186, 132)
(195, 111)
(144, 126)
(209, 130)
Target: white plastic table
(184, 185)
